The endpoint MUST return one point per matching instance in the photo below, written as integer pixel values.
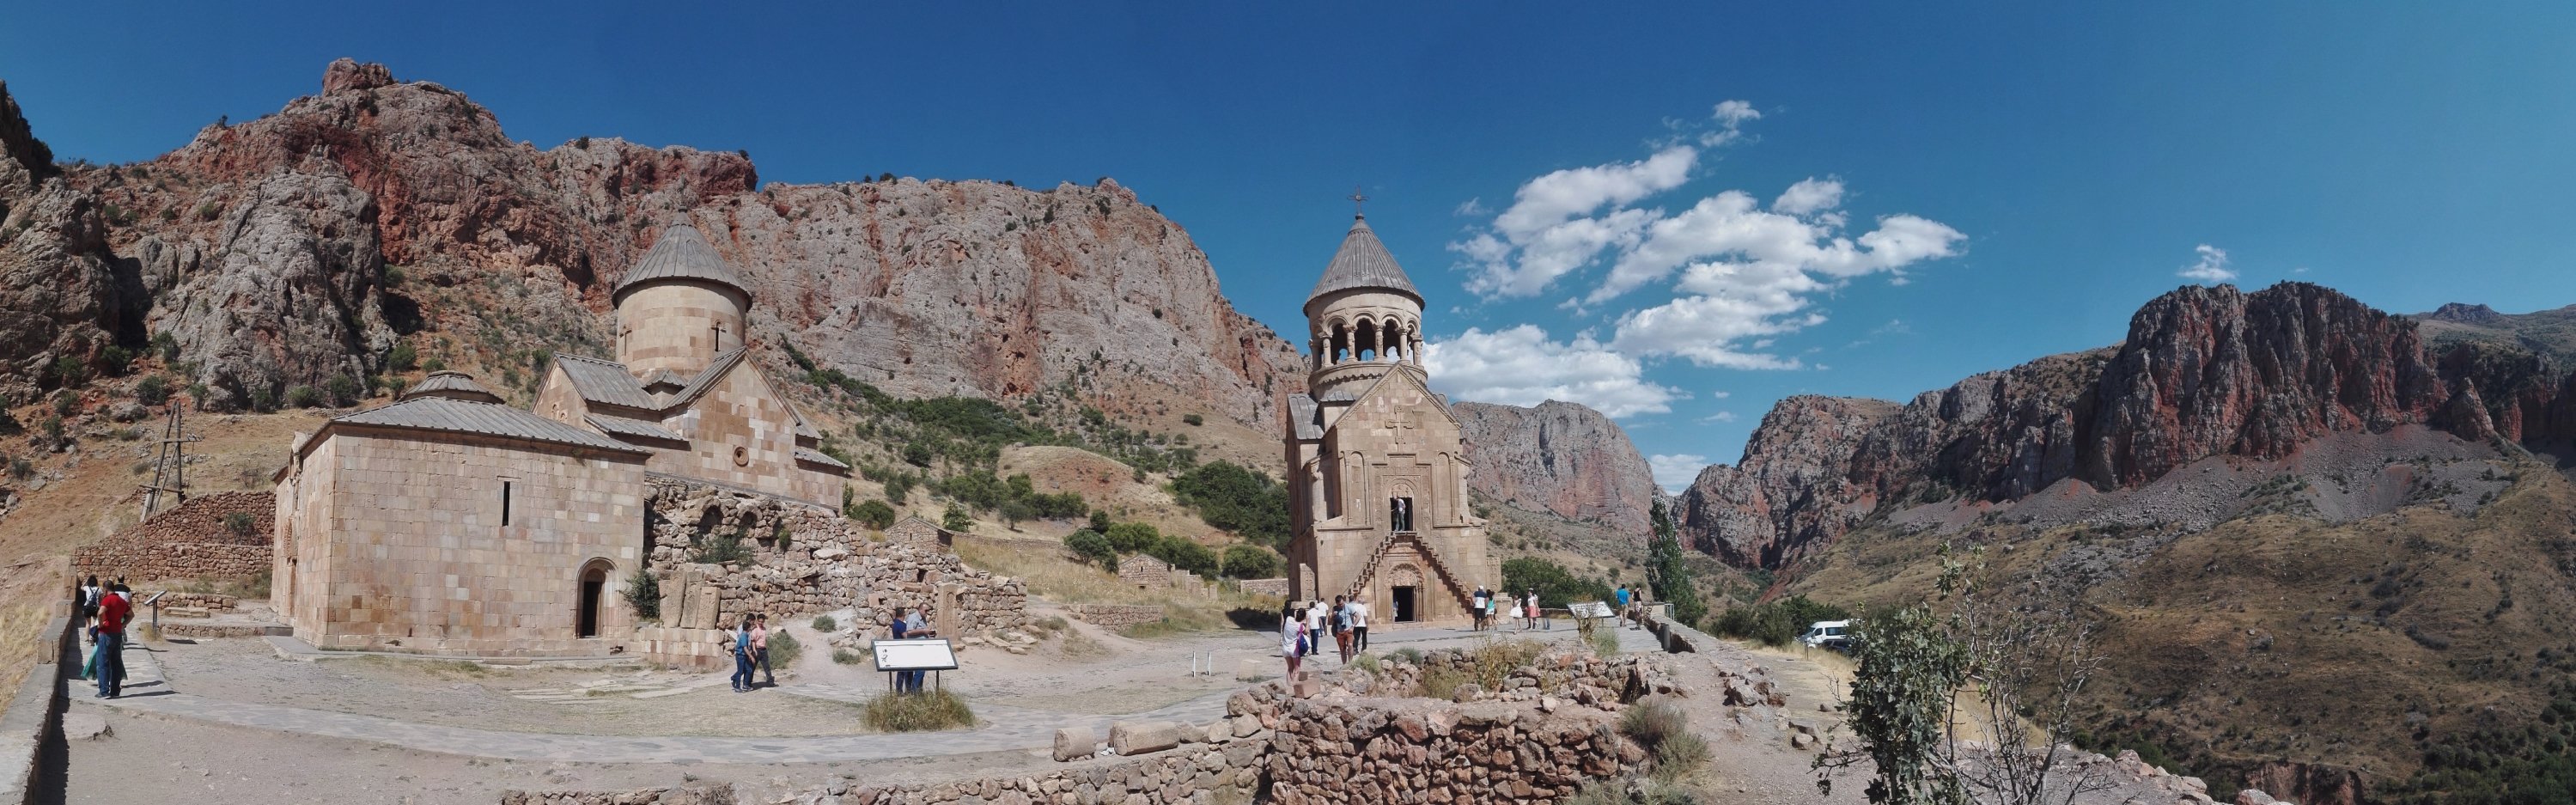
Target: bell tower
(1363, 320)
(680, 306)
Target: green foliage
(918, 712)
(825, 624)
(1663, 729)
(1909, 670)
(875, 513)
(956, 519)
(1776, 623)
(1186, 554)
(897, 487)
(54, 429)
(167, 345)
(783, 649)
(1193, 420)
(1127, 538)
(980, 489)
(433, 363)
(303, 397)
(403, 358)
(1665, 572)
(68, 372)
(342, 390)
(1099, 521)
(1236, 499)
(1251, 562)
(842, 656)
(152, 390)
(916, 454)
(115, 360)
(2499, 764)
(1556, 586)
(722, 548)
(263, 400)
(67, 402)
(21, 469)
(1092, 545)
(240, 523)
(645, 595)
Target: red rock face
(1559, 458)
(2204, 371)
(261, 246)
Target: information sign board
(925, 654)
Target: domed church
(1377, 483)
(449, 522)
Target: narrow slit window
(505, 503)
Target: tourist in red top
(113, 612)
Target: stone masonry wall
(1117, 614)
(188, 542)
(1277, 586)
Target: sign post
(897, 657)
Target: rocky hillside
(306, 245)
(2545, 332)
(1560, 459)
(2204, 373)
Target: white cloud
(1675, 472)
(2210, 267)
(1521, 366)
(1810, 195)
(1471, 208)
(1721, 394)
(1721, 416)
(1731, 117)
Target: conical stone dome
(1363, 264)
(681, 254)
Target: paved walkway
(1002, 728)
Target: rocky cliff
(307, 244)
(2204, 372)
(1559, 458)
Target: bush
(403, 358)
(342, 390)
(918, 712)
(263, 400)
(1251, 562)
(1093, 546)
(783, 649)
(722, 548)
(54, 429)
(1127, 538)
(433, 364)
(1193, 420)
(1777, 623)
(842, 656)
(1556, 586)
(1186, 554)
(167, 345)
(68, 372)
(66, 402)
(1233, 498)
(825, 624)
(116, 360)
(240, 523)
(21, 469)
(645, 595)
(152, 390)
(303, 397)
(916, 454)
(956, 519)
(875, 514)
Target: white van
(1834, 635)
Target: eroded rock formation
(1559, 458)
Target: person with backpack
(1342, 628)
(1292, 639)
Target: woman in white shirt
(1292, 628)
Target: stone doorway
(594, 585)
(1403, 600)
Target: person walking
(742, 656)
(1626, 611)
(108, 665)
(1292, 640)
(1478, 608)
(1315, 615)
(760, 647)
(1342, 627)
(1529, 610)
(1359, 625)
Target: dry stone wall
(188, 542)
(1117, 614)
(1275, 587)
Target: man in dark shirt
(113, 613)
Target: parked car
(1833, 635)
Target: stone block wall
(188, 542)
(1145, 572)
(693, 649)
(1114, 615)
(1277, 586)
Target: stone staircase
(1439, 567)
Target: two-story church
(450, 522)
(1377, 482)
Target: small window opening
(505, 503)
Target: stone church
(1377, 483)
(450, 522)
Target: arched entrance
(594, 590)
(1404, 593)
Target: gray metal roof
(819, 457)
(680, 254)
(631, 428)
(454, 385)
(1306, 416)
(1363, 262)
(1342, 395)
(705, 379)
(488, 419)
(605, 382)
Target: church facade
(450, 522)
(1377, 483)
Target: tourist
(1292, 640)
(916, 626)
(1626, 610)
(760, 647)
(1315, 628)
(1529, 611)
(742, 656)
(1342, 627)
(1359, 625)
(113, 614)
(89, 599)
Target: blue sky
(2032, 172)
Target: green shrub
(916, 454)
(825, 624)
(54, 429)
(783, 649)
(433, 364)
(1193, 420)
(1556, 586)
(1127, 538)
(68, 372)
(303, 397)
(240, 523)
(67, 402)
(1236, 499)
(1251, 562)
(645, 595)
(842, 656)
(167, 345)
(342, 390)
(918, 712)
(262, 400)
(116, 360)
(152, 390)
(1776, 623)
(21, 469)
(403, 358)
(956, 519)
(1090, 545)
(1186, 554)
(721, 548)
(9, 425)
(875, 514)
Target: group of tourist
(1491, 609)
(908, 625)
(1302, 629)
(106, 609)
(751, 648)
